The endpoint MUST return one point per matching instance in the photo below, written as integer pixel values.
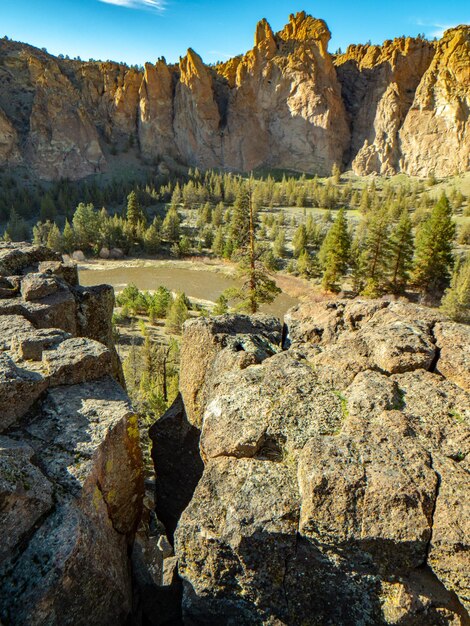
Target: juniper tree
(68, 237)
(176, 196)
(217, 215)
(177, 314)
(304, 264)
(434, 243)
(336, 174)
(334, 252)
(160, 303)
(41, 232)
(218, 242)
(279, 247)
(152, 238)
(17, 229)
(85, 225)
(48, 208)
(54, 238)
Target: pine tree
(401, 252)
(456, 300)
(134, 212)
(171, 226)
(257, 288)
(376, 253)
(299, 241)
(177, 314)
(221, 305)
(68, 238)
(240, 222)
(334, 252)
(434, 243)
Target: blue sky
(136, 31)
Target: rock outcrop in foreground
(287, 103)
(335, 487)
(70, 462)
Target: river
(200, 284)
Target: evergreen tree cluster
(403, 239)
(387, 255)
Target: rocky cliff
(335, 480)
(313, 473)
(70, 462)
(286, 103)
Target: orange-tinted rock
(197, 115)
(287, 103)
(379, 83)
(284, 104)
(9, 149)
(435, 137)
(156, 111)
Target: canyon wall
(287, 103)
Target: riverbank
(297, 288)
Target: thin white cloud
(435, 29)
(219, 55)
(149, 5)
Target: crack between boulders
(23, 544)
(433, 512)
(364, 500)
(108, 510)
(287, 561)
(433, 367)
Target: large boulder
(335, 482)
(453, 342)
(71, 481)
(212, 346)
